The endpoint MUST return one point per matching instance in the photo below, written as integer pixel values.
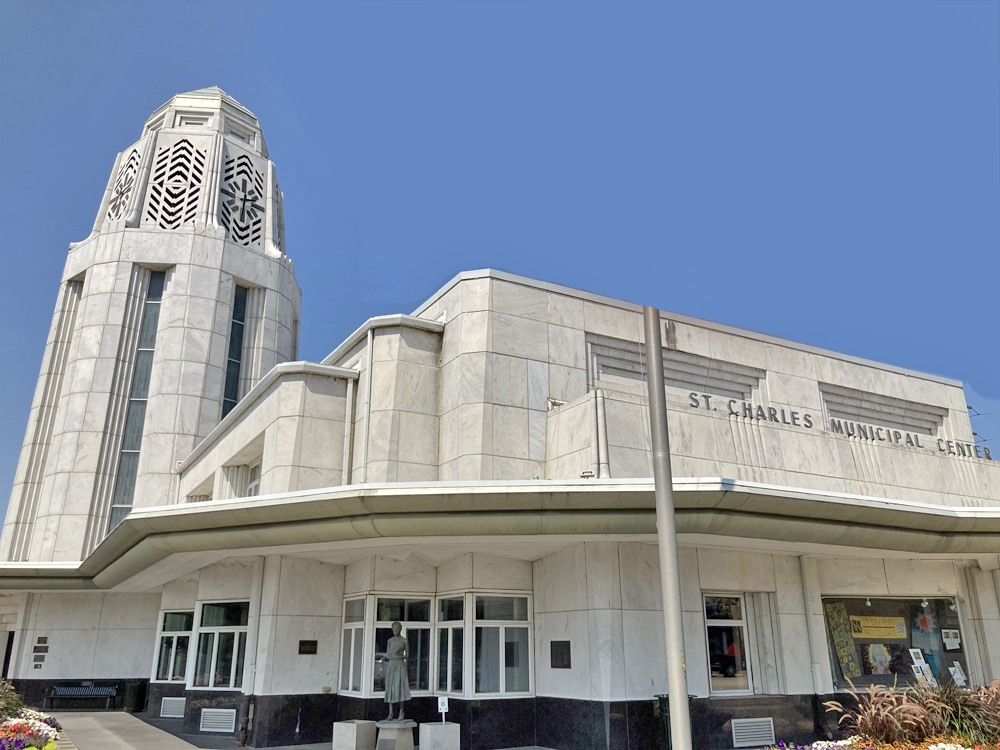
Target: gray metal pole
(666, 531)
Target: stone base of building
(559, 723)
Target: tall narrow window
(502, 645)
(351, 653)
(135, 414)
(415, 616)
(175, 636)
(232, 388)
(726, 626)
(451, 619)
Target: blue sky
(828, 172)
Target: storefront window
(726, 628)
(902, 641)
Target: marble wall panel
(733, 570)
(504, 573)
(565, 311)
(417, 438)
(292, 673)
(566, 383)
(71, 654)
(359, 576)
(225, 582)
(603, 575)
(55, 611)
(559, 583)
(127, 611)
(123, 653)
(612, 321)
(511, 469)
(519, 336)
(455, 574)
(788, 584)
(847, 576)
(696, 653)
(792, 639)
(630, 463)
(510, 381)
(640, 575)
(510, 432)
(562, 683)
(178, 595)
(607, 655)
(523, 301)
(475, 294)
(644, 654)
(406, 575)
(567, 346)
(921, 577)
(310, 587)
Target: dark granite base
(34, 694)
(560, 723)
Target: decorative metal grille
(175, 189)
(242, 206)
(124, 184)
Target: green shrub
(10, 702)
(972, 715)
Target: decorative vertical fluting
(24, 504)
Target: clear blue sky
(828, 172)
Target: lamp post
(666, 532)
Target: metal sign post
(666, 531)
(443, 706)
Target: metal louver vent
(218, 720)
(753, 732)
(172, 708)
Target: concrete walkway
(116, 730)
(113, 730)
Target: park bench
(108, 692)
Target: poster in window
(882, 628)
(843, 640)
(884, 658)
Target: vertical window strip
(252, 333)
(231, 394)
(135, 413)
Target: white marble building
(198, 513)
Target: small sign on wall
(308, 647)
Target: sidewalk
(116, 730)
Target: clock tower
(178, 302)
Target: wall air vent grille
(218, 720)
(619, 366)
(172, 708)
(124, 184)
(852, 406)
(753, 732)
(242, 205)
(175, 188)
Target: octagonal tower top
(208, 109)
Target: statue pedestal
(437, 736)
(395, 735)
(354, 734)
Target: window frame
(428, 625)
(449, 627)
(352, 627)
(503, 625)
(743, 624)
(217, 631)
(435, 625)
(253, 484)
(173, 635)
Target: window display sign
(883, 628)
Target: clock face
(242, 206)
(123, 186)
